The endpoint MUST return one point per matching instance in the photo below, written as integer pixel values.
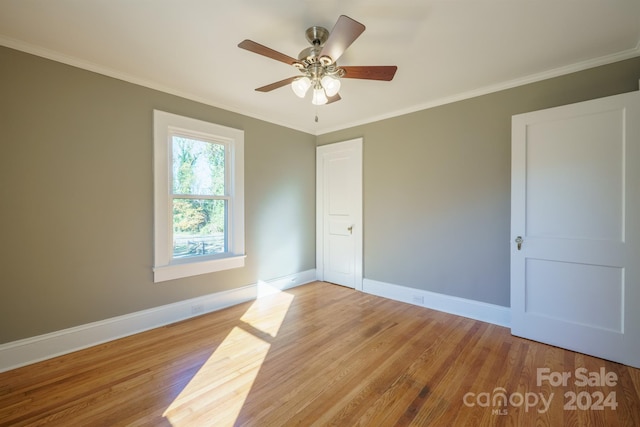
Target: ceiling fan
(318, 65)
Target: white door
(575, 209)
(339, 213)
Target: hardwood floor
(320, 354)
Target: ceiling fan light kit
(319, 97)
(331, 85)
(318, 65)
(327, 86)
(300, 86)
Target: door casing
(352, 147)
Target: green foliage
(198, 216)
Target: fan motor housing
(309, 54)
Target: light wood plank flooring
(318, 354)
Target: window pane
(199, 227)
(198, 167)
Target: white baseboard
(30, 350)
(477, 310)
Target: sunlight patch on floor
(216, 393)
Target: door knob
(350, 228)
(519, 242)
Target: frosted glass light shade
(331, 85)
(301, 86)
(319, 97)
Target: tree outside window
(199, 197)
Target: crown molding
(109, 72)
(90, 66)
(532, 78)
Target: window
(198, 197)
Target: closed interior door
(339, 223)
(575, 251)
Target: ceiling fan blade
(276, 85)
(345, 32)
(254, 47)
(382, 72)
(334, 98)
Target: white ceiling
(445, 50)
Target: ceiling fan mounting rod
(316, 35)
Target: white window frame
(165, 267)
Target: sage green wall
(76, 198)
(437, 184)
(76, 213)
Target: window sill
(176, 271)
